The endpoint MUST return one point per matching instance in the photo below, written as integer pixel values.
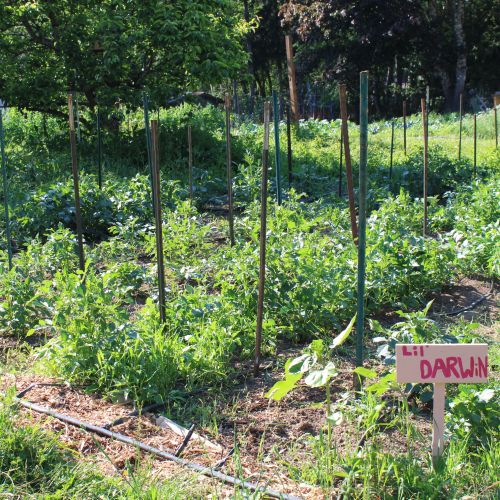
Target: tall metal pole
(475, 143)
(426, 160)
(76, 184)
(190, 163)
(263, 230)
(99, 149)
(460, 127)
(496, 124)
(155, 157)
(229, 169)
(404, 125)
(392, 149)
(276, 116)
(289, 144)
(348, 167)
(363, 158)
(147, 131)
(5, 191)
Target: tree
(111, 50)
(410, 43)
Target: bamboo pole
(155, 157)
(99, 149)
(392, 149)
(363, 159)
(190, 162)
(475, 144)
(460, 127)
(292, 80)
(404, 125)
(76, 184)
(277, 148)
(426, 160)
(5, 190)
(340, 162)
(289, 145)
(348, 167)
(263, 230)
(229, 165)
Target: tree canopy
(111, 50)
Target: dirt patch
(475, 300)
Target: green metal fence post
(363, 156)
(276, 116)
(460, 127)
(392, 149)
(5, 190)
(99, 149)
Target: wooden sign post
(441, 364)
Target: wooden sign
(441, 364)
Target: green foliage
(110, 52)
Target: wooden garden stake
(426, 161)
(392, 149)
(340, 162)
(294, 101)
(475, 144)
(404, 125)
(363, 158)
(229, 169)
(440, 364)
(99, 149)
(460, 127)
(155, 157)
(76, 185)
(348, 167)
(190, 163)
(5, 191)
(289, 144)
(277, 148)
(263, 230)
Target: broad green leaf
(300, 364)
(280, 389)
(319, 378)
(342, 337)
(365, 372)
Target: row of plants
(105, 325)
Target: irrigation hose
(470, 306)
(206, 471)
